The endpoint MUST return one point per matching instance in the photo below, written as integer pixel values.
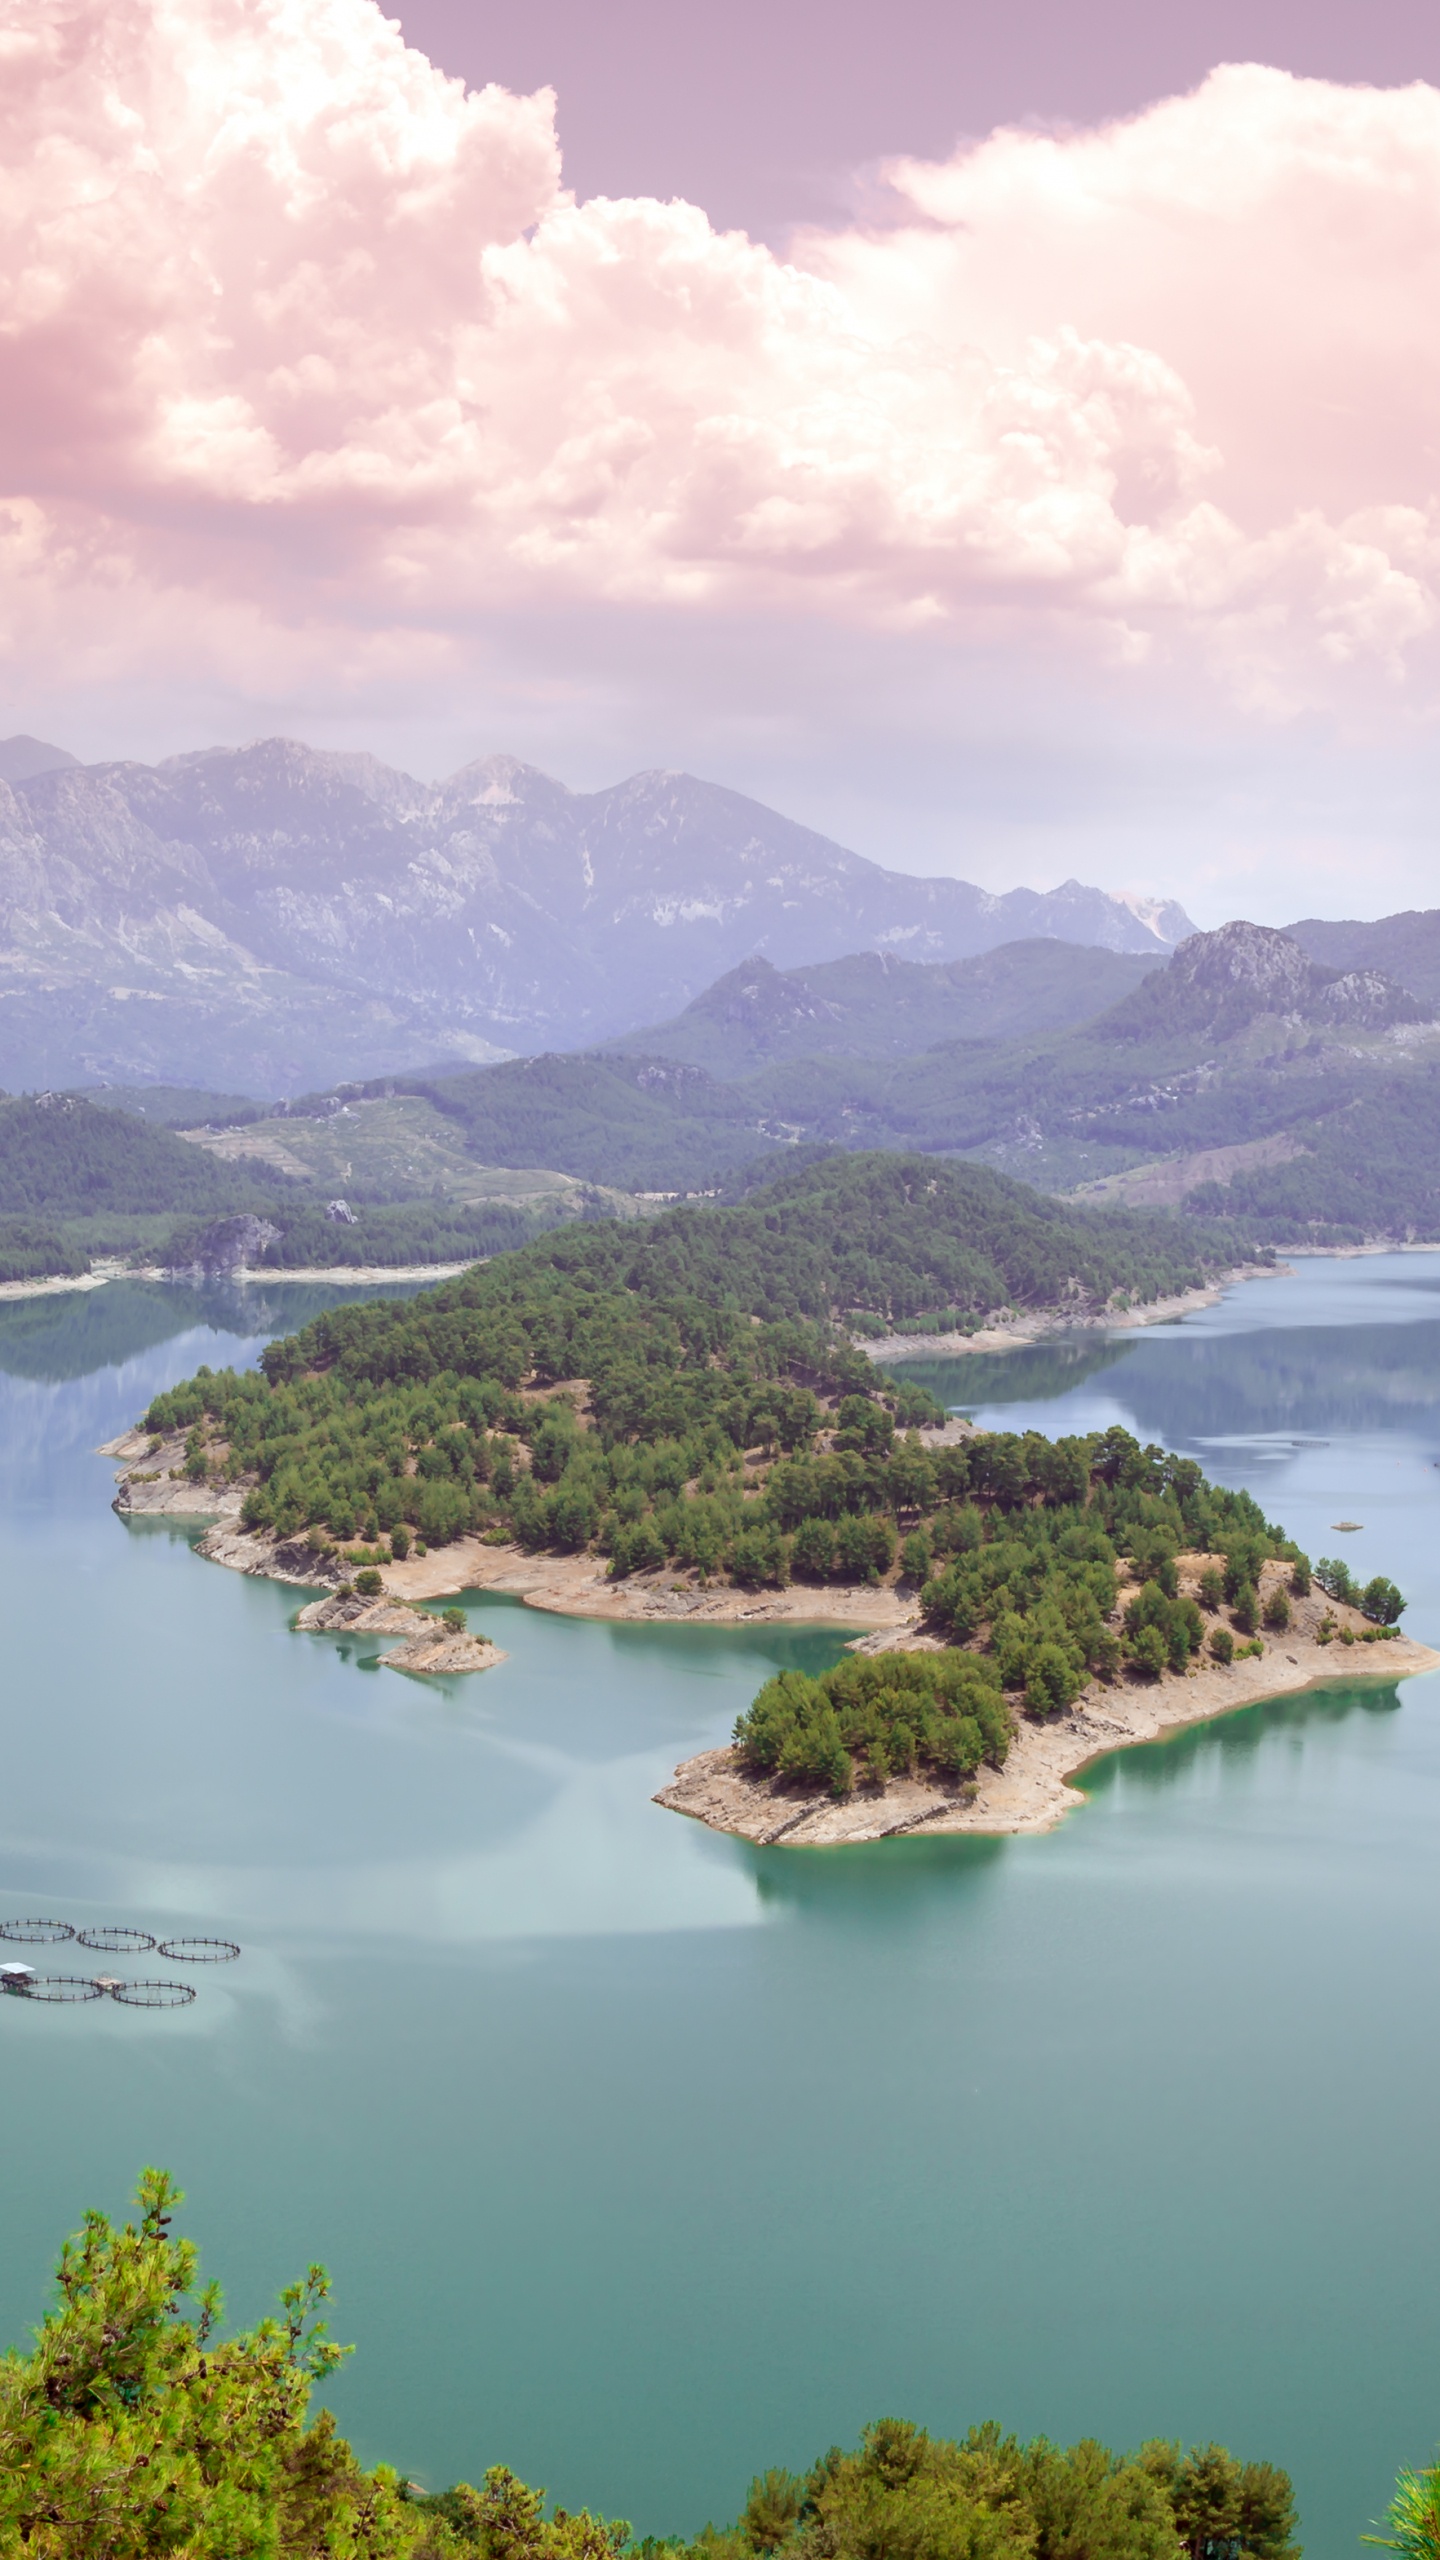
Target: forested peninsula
(136, 2426)
(676, 1419)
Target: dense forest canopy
(137, 2430)
(62, 1156)
(686, 1392)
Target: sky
(1007, 440)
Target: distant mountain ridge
(1238, 1041)
(871, 1005)
(1405, 946)
(279, 916)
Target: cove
(642, 2158)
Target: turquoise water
(643, 2158)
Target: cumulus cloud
(309, 354)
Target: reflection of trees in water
(1316, 1382)
(89, 1329)
(1240, 1734)
(902, 1883)
(1041, 1369)
(895, 1883)
(59, 1338)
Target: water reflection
(645, 2157)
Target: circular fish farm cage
(36, 1933)
(198, 1950)
(152, 1995)
(62, 1986)
(117, 1942)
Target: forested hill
(880, 1237)
(60, 1156)
(79, 1179)
(638, 1386)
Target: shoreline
(1007, 1335)
(1031, 1794)
(368, 1275)
(1034, 1792)
(1012, 1333)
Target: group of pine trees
(136, 2430)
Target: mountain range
(272, 917)
(871, 1005)
(1238, 1053)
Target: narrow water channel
(642, 2158)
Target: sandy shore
(359, 1276)
(1033, 1791)
(1007, 1333)
(570, 1586)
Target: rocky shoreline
(1033, 1792)
(428, 1646)
(1009, 1333)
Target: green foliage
(906, 2495)
(1378, 1599)
(639, 1124)
(134, 2430)
(453, 1621)
(682, 1392)
(1368, 1165)
(1413, 2517)
(1381, 1601)
(875, 1717)
(30, 1250)
(127, 1184)
(1245, 1610)
(61, 1156)
(1222, 1644)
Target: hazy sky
(1007, 439)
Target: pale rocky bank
(1031, 1793)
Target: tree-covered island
(682, 1405)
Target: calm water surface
(643, 2158)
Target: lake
(643, 2158)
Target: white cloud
(317, 384)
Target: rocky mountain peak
(280, 916)
(1218, 983)
(1252, 958)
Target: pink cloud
(310, 358)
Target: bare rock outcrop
(429, 1645)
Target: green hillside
(78, 1180)
(61, 1156)
(634, 1124)
(682, 1389)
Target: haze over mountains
(872, 1005)
(273, 917)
